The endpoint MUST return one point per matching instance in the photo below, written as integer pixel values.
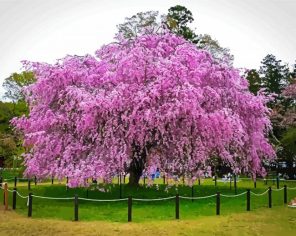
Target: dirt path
(276, 221)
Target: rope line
(237, 195)
(204, 197)
(21, 195)
(276, 190)
(291, 188)
(54, 198)
(259, 194)
(154, 199)
(103, 200)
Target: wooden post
(218, 203)
(177, 207)
(277, 182)
(6, 196)
(269, 198)
(248, 200)
(285, 194)
(30, 205)
(129, 209)
(75, 207)
(14, 198)
(15, 181)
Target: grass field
(144, 211)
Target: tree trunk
(137, 166)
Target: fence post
(215, 180)
(1, 181)
(248, 200)
(177, 207)
(198, 181)
(75, 207)
(87, 193)
(35, 180)
(30, 203)
(14, 199)
(255, 184)
(192, 192)
(129, 209)
(164, 179)
(269, 197)
(265, 181)
(15, 181)
(51, 179)
(235, 189)
(285, 194)
(120, 187)
(124, 178)
(230, 182)
(144, 180)
(218, 203)
(29, 184)
(277, 182)
(67, 181)
(6, 196)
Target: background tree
(14, 84)
(254, 81)
(274, 75)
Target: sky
(46, 30)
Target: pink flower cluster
(158, 92)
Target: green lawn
(144, 211)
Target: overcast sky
(45, 30)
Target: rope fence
(129, 200)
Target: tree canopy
(156, 101)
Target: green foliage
(14, 84)
(254, 81)
(275, 76)
(178, 18)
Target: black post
(198, 181)
(164, 179)
(177, 207)
(15, 181)
(192, 192)
(230, 182)
(120, 187)
(129, 209)
(248, 200)
(215, 180)
(86, 193)
(255, 184)
(14, 199)
(124, 178)
(30, 205)
(52, 180)
(235, 186)
(144, 179)
(277, 182)
(218, 203)
(269, 198)
(76, 207)
(35, 180)
(67, 181)
(285, 194)
(29, 184)
(1, 181)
